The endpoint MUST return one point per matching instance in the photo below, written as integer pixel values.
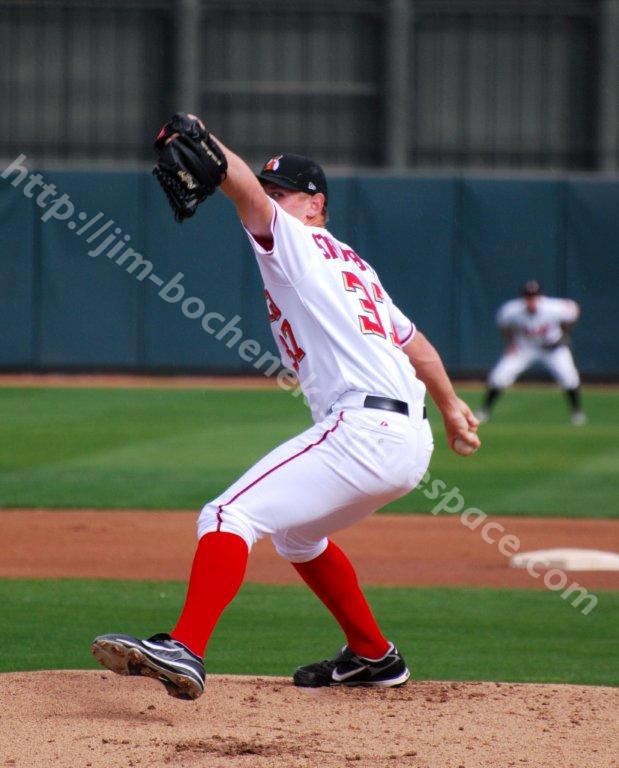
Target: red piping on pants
(281, 464)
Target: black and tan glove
(190, 166)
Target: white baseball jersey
(541, 328)
(337, 328)
(333, 322)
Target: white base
(568, 559)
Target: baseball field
(100, 484)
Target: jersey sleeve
(567, 311)
(285, 254)
(403, 326)
(505, 315)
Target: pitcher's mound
(99, 720)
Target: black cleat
(349, 669)
(167, 660)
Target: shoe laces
(343, 656)
(160, 637)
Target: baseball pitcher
(364, 367)
(536, 330)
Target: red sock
(216, 575)
(333, 579)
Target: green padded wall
(449, 249)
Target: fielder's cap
(295, 172)
(530, 288)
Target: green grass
(453, 634)
(157, 448)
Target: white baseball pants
(558, 361)
(337, 472)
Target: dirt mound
(71, 719)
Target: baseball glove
(190, 165)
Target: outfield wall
(449, 249)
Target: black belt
(388, 404)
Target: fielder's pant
(558, 361)
(330, 476)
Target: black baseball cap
(295, 172)
(530, 288)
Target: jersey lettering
(349, 255)
(326, 245)
(331, 251)
(539, 331)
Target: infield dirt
(404, 550)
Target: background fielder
(352, 350)
(536, 329)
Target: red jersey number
(295, 353)
(274, 311)
(380, 297)
(369, 321)
(286, 336)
